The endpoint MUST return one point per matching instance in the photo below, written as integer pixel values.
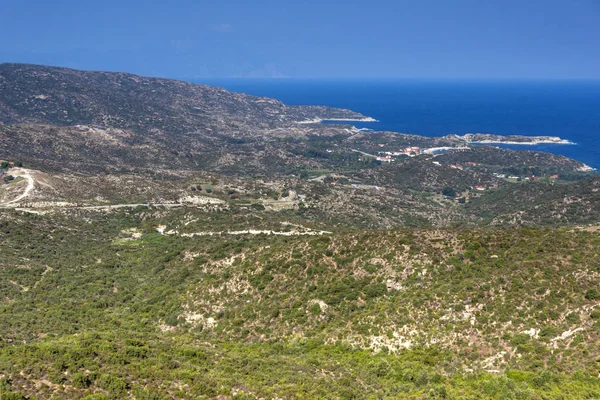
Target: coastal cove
(569, 110)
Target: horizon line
(331, 78)
(397, 78)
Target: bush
(380, 368)
(375, 290)
(573, 318)
(80, 380)
(315, 309)
(548, 331)
(112, 384)
(449, 192)
(520, 339)
(592, 294)
(12, 396)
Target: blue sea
(568, 109)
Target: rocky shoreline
(487, 138)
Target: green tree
(448, 191)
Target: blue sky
(438, 39)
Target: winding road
(21, 172)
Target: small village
(388, 156)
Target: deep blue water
(568, 109)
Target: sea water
(569, 109)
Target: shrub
(592, 294)
(548, 331)
(520, 339)
(12, 396)
(449, 192)
(374, 290)
(315, 309)
(114, 385)
(80, 380)
(573, 318)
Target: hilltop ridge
(62, 96)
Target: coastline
(414, 108)
(586, 168)
(492, 138)
(436, 150)
(320, 120)
(462, 142)
(527, 143)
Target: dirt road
(23, 173)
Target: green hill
(102, 303)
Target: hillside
(102, 303)
(165, 240)
(543, 203)
(60, 96)
(107, 120)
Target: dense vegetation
(541, 203)
(101, 304)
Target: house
(480, 188)
(553, 176)
(410, 151)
